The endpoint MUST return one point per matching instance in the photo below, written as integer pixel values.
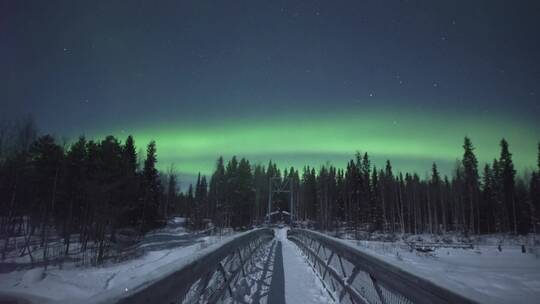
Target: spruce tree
(151, 188)
(389, 198)
(217, 194)
(488, 200)
(376, 207)
(245, 198)
(75, 185)
(500, 209)
(436, 194)
(470, 175)
(46, 159)
(171, 195)
(198, 202)
(365, 194)
(129, 156)
(507, 175)
(261, 191)
(353, 183)
(189, 201)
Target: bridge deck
(301, 283)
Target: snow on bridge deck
(294, 281)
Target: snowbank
(484, 274)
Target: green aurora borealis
(296, 82)
(411, 140)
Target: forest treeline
(91, 189)
(475, 200)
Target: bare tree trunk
(8, 220)
(471, 205)
(514, 214)
(477, 216)
(415, 213)
(400, 202)
(384, 211)
(430, 223)
(45, 223)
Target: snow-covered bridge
(282, 266)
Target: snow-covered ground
(484, 273)
(75, 284)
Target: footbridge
(272, 265)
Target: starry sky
(298, 82)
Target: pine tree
(189, 202)
(392, 213)
(217, 194)
(340, 197)
(376, 205)
(507, 174)
(197, 216)
(46, 157)
(470, 171)
(309, 194)
(261, 191)
(75, 178)
(245, 196)
(353, 182)
(171, 197)
(151, 188)
(365, 195)
(203, 197)
(500, 209)
(129, 156)
(436, 195)
(446, 212)
(488, 200)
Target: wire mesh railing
(211, 276)
(351, 276)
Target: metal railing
(352, 276)
(208, 278)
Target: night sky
(299, 82)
